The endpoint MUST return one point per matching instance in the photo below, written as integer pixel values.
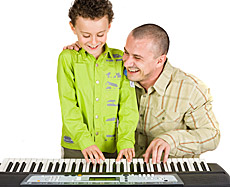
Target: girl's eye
(100, 35)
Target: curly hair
(91, 9)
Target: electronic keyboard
(24, 172)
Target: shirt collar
(107, 52)
(162, 81)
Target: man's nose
(128, 62)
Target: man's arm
(202, 133)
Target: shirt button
(96, 65)
(96, 116)
(97, 99)
(97, 82)
(97, 133)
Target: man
(176, 117)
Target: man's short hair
(91, 9)
(156, 33)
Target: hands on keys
(93, 152)
(156, 148)
(129, 153)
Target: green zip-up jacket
(98, 102)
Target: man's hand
(156, 148)
(76, 46)
(129, 154)
(93, 152)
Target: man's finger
(167, 151)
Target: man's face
(139, 60)
(92, 34)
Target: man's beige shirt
(177, 109)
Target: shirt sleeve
(202, 129)
(128, 115)
(72, 119)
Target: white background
(32, 34)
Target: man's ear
(161, 60)
(72, 27)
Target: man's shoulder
(187, 79)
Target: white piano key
(128, 166)
(15, 160)
(135, 165)
(141, 161)
(191, 161)
(12, 161)
(84, 165)
(46, 163)
(29, 162)
(175, 164)
(205, 164)
(61, 161)
(77, 162)
(159, 167)
(165, 167)
(124, 164)
(118, 166)
(197, 160)
(180, 160)
(148, 167)
(37, 164)
(168, 164)
(101, 166)
(70, 165)
(88, 166)
(111, 161)
(21, 160)
(107, 165)
(94, 167)
(185, 160)
(151, 165)
(4, 165)
(55, 161)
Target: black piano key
(22, 167)
(40, 167)
(32, 167)
(155, 167)
(73, 167)
(63, 167)
(114, 167)
(9, 166)
(97, 167)
(104, 167)
(145, 167)
(121, 167)
(56, 167)
(80, 167)
(16, 167)
(131, 167)
(90, 167)
(203, 166)
(50, 167)
(162, 167)
(172, 166)
(179, 166)
(196, 166)
(186, 166)
(138, 167)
